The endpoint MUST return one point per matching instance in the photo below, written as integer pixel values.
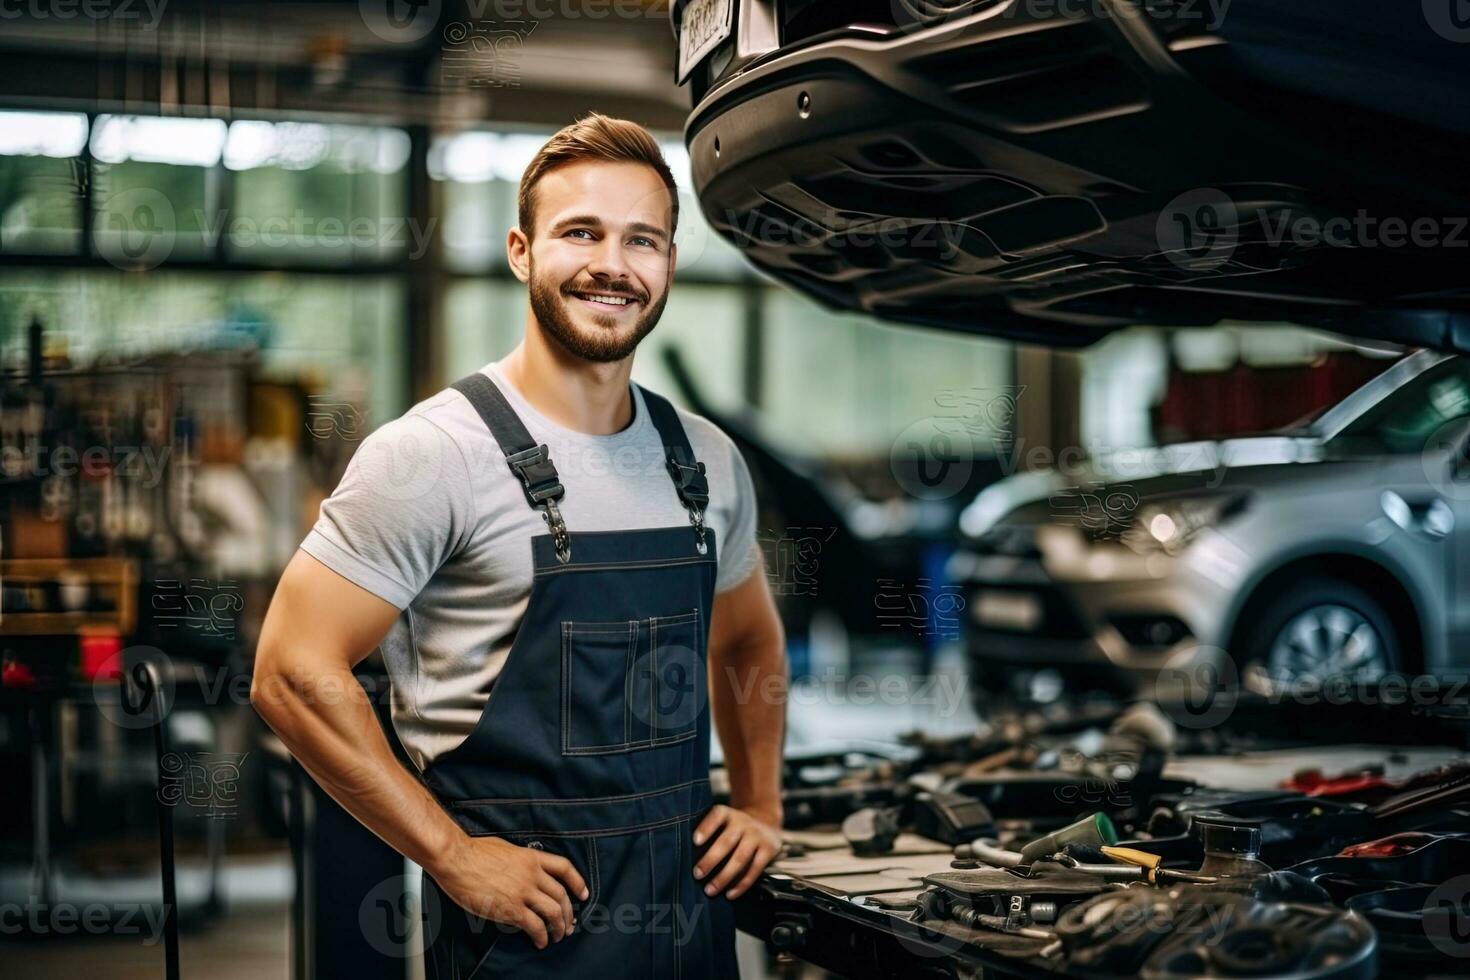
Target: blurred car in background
(1337, 548)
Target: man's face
(601, 261)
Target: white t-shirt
(429, 517)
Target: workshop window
(155, 193)
(320, 195)
(346, 333)
(849, 387)
(40, 181)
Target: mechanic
(563, 595)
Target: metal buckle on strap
(690, 481)
(696, 517)
(693, 489)
(559, 536)
(537, 472)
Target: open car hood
(1051, 177)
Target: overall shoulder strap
(686, 471)
(528, 460)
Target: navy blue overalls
(594, 741)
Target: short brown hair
(594, 137)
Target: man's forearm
(324, 719)
(749, 691)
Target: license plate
(1008, 610)
(703, 26)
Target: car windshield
(1405, 421)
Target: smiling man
(560, 570)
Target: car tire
(1315, 617)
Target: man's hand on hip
(518, 886)
(745, 842)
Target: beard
(549, 301)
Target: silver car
(1339, 548)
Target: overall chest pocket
(631, 684)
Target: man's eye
(644, 241)
(579, 231)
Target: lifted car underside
(1051, 172)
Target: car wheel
(1321, 629)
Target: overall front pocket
(632, 684)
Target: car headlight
(1169, 525)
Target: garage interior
(1014, 578)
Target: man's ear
(673, 260)
(518, 254)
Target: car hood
(1186, 467)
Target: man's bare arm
(319, 626)
(747, 674)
